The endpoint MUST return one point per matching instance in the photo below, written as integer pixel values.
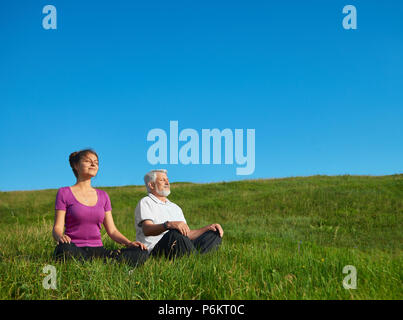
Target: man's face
(161, 186)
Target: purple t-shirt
(83, 223)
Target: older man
(161, 226)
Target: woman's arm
(58, 227)
(116, 236)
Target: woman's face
(88, 166)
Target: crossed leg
(133, 256)
(174, 244)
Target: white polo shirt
(152, 208)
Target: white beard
(163, 193)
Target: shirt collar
(158, 200)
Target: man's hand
(136, 244)
(181, 226)
(216, 227)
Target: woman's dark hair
(76, 157)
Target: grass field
(284, 239)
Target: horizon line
(223, 181)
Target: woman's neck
(83, 184)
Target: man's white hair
(151, 176)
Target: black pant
(133, 256)
(174, 244)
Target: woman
(83, 209)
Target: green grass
(284, 239)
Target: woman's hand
(136, 244)
(116, 236)
(64, 239)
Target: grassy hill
(284, 239)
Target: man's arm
(151, 229)
(194, 234)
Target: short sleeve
(182, 216)
(143, 212)
(108, 205)
(60, 200)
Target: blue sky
(322, 99)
